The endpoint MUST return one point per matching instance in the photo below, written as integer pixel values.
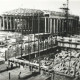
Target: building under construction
(43, 32)
(29, 21)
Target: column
(3, 23)
(26, 25)
(28, 29)
(68, 26)
(10, 24)
(45, 24)
(71, 27)
(7, 23)
(14, 23)
(50, 25)
(32, 24)
(76, 26)
(54, 25)
(22, 26)
(57, 27)
(62, 26)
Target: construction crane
(65, 8)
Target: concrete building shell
(27, 21)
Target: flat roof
(35, 12)
(24, 12)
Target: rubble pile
(67, 62)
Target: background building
(27, 21)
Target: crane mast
(65, 8)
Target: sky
(7, 5)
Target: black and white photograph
(39, 39)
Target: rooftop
(24, 12)
(34, 12)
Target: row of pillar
(7, 23)
(52, 25)
(58, 25)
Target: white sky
(7, 5)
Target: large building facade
(29, 21)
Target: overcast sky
(7, 5)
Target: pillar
(50, 25)
(71, 27)
(32, 24)
(7, 23)
(10, 24)
(14, 23)
(57, 27)
(26, 25)
(45, 24)
(22, 26)
(3, 23)
(62, 26)
(54, 25)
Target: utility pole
(65, 8)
